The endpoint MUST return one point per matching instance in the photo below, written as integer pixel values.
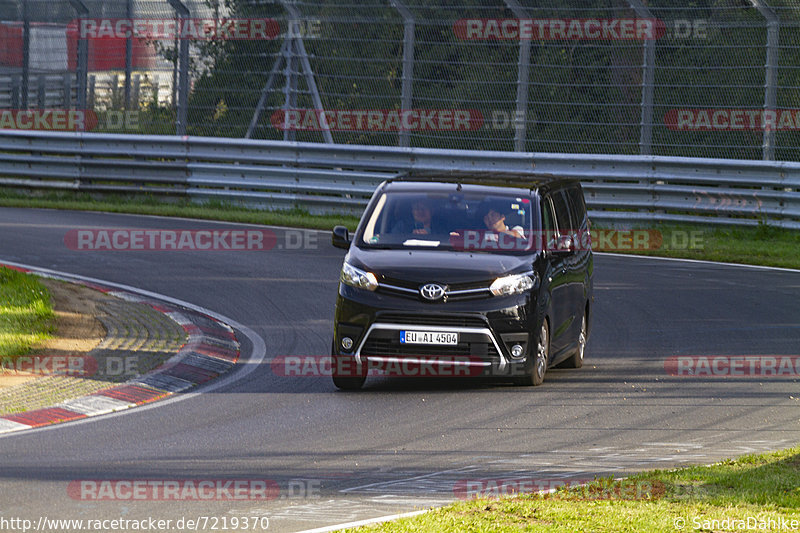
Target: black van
(465, 276)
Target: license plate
(428, 337)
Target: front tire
(541, 357)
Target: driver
(421, 212)
(422, 217)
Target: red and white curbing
(210, 351)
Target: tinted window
(547, 216)
(577, 207)
(562, 213)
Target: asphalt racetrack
(401, 444)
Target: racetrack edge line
(702, 261)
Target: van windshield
(461, 221)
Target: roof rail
(516, 179)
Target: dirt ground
(77, 331)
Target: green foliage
(25, 313)
(584, 96)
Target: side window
(563, 222)
(548, 235)
(547, 215)
(577, 207)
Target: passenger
(496, 222)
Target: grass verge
(761, 245)
(756, 492)
(143, 205)
(26, 313)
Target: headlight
(514, 284)
(358, 278)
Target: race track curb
(211, 349)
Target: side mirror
(340, 237)
(564, 245)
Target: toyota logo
(432, 291)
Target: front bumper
(487, 328)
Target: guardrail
(325, 178)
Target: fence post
(406, 96)
(183, 71)
(16, 89)
(523, 79)
(648, 82)
(26, 55)
(128, 57)
(83, 56)
(770, 76)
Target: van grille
(432, 320)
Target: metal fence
(320, 177)
(711, 78)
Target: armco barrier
(340, 178)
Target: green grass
(760, 487)
(760, 245)
(26, 314)
(146, 205)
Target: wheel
(347, 381)
(542, 355)
(576, 360)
